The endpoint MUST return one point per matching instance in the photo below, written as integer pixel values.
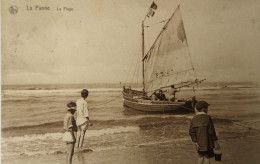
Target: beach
(236, 151)
(32, 126)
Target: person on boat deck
(172, 92)
(202, 133)
(130, 90)
(154, 96)
(82, 120)
(161, 96)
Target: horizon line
(99, 83)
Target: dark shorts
(207, 154)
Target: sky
(100, 41)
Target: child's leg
(76, 140)
(200, 160)
(70, 152)
(206, 160)
(78, 137)
(83, 129)
(82, 135)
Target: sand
(242, 150)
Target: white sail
(168, 61)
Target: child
(70, 127)
(83, 120)
(202, 132)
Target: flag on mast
(153, 6)
(151, 10)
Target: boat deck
(139, 101)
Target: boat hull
(135, 100)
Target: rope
(132, 64)
(240, 125)
(231, 120)
(136, 67)
(107, 101)
(156, 23)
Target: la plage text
(47, 8)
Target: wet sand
(235, 151)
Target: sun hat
(71, 106)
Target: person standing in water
(70, 127)
(203, 133)
(82, 118)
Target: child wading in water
(82, 118)
(70, 127)
(202, 132)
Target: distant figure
(202, 132)
(172, 92)
(130, 90)
(70, 127)
(154, 96)
(161, 96)
(82, 118)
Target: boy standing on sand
(203, 133)
(70, 127)
(82, 118)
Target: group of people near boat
(161, 96)
(75, 129)
(201, 130)
(158, 95)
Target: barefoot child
(82, 118)
(202, 132)
(70, 127)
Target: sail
(168, 61)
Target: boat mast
(143, 55)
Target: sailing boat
(168, 62)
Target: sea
(32, 122)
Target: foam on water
(56, 136)
(55, 92)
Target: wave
(65, 92)
(54, 92)
(56, 136)
(228, 87)
(242, 86)
(162, 142)
(100, 123)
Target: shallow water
(32, 120)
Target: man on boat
(172, 91)
(154, 96)
(161, 96)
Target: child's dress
(69, 127)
